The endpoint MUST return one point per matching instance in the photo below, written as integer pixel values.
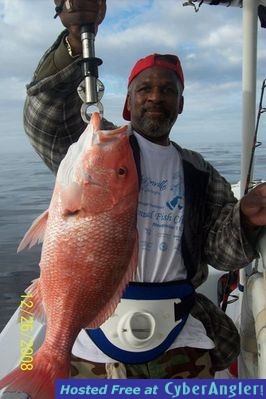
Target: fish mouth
(108, 137)
(88, 179)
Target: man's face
(154, 101)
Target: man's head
(154, 98)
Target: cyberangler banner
(160, 389)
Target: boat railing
(253, 319)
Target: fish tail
(36, 379)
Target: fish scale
(89, 253)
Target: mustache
(154, 108)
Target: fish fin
(34, 303)
(71, 199)
(39, 379)
(35, 233)
(110, 307)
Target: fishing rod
(91, 88)
(256, 143)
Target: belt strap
(179, 296)
(183, 308)
(167, 290)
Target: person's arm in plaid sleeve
(52, 118)
(230, 242)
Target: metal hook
(91, 88)
(191, 3)
(87, 110)
(82, 91)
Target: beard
(156, 127)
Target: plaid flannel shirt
(52, 122)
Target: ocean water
(26, 186)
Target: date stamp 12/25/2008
(26, 332)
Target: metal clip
(191, 3)
(91, 88)
(87, 110)
(87, 107)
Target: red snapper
(89, 251)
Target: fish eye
(122, 171)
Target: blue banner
(160, 389)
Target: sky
(209, 44)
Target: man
(187, 214)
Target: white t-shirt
(160, 227)
(160, 213)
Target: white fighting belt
(146, 321)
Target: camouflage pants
(175, 363)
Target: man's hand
(79, 12)
(253, 207)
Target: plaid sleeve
(227, 247)
(52, 118)
(221, 329)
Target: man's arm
(229, 243)
(52, 108)
(52, 117)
